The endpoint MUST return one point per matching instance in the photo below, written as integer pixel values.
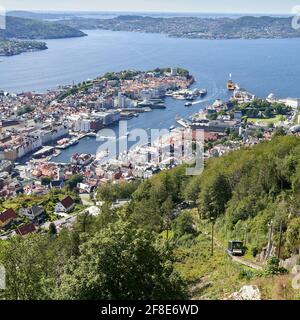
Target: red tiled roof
(8, 214)
(67, 202)
(28, 228)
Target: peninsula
(14, 39)
(246, 27)
(14, 47)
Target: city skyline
(217, 6)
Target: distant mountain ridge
(247, 27)
(38, 15)
(36, 25)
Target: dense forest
(149, 249)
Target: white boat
(178, 97)
(106, 137)
(145, 103)
(172, 128)
(202, 92)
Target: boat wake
(215, 94)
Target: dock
(183, 123)
(45, 151)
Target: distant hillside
(38, 15)
(192, 27)
(19, 28)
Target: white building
(82, 125)
(148, 94)
(123, 102)
(292, 102)
(289, 102)
(108, 117)
(50, 133)
(174, 72)
(66, 205)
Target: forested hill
(247, 27)
(19, 28)
(153, 248)
(248, 189)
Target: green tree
(214, 196)
(52, 230)
(120, 262)
(72, 182)
(184, 224)
(25, 264)
(46, 181)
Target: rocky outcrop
(246, 293)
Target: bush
(273, 267)
(184, 225)
(254, 252)
(246, 274)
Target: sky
(205, 6)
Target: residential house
(7, 217)
(36, 214)
(84, 188)
(26, 229)
(57, 184)
(66, 205)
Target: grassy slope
(217, 277)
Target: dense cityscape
(139, 164)
(35, 128)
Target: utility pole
(270, 239)
(199, 212)
(212, 236)
(246, 236)
(280, 241)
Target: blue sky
(224, 6)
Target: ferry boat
(145, 103)
(230, 85)
(203, 93)
(178, 97)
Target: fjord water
(261, 66)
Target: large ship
(230, 85)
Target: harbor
(156, 119)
